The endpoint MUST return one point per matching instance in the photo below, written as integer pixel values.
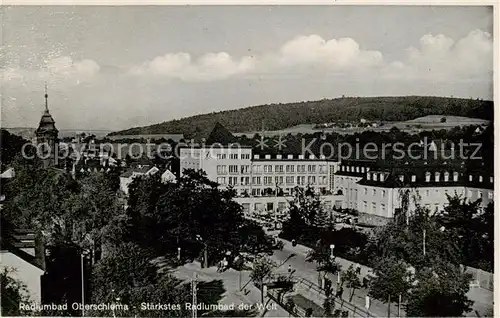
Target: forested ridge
(280, 116)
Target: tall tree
(261, 273)
(440, 292)
(351, 279)
(127, 276)
(14, 292)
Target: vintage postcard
(330, 159)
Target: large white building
(265, 182)
(373, 188)
(262, 183)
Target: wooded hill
(280, 116)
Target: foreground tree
(440, 292)
(262, 273)
(351, 280)
(393, 279)
(128, 277)
(471, 226)
(171, 216)
(14, 292)
(423, 248)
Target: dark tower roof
(47, 123)
(220, 135)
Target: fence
(354, 311)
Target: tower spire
(46, 98)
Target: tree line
(280, 116)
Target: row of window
(437, 177)
(427, 193)
(383, 209)
(278, 180)
(262, 191)
(354, 169)
(233, 156)
(245, 169)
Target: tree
(262, 273)
(127, 276)
(440, 292)
(14, 292)
(352, 281)
(443, 119)
(471, 227)
(168, 216)
(393, 278)
(429, 250)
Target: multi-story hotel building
(376, 188)
(265, 182)
(262, 182)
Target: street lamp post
(179, 253)
(332, 247)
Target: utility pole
(194, 291)
(83, 284)
(423, 240)
(205, 256)
(240, 278)
(399, 306)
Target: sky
(116, 67)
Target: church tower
(47, 135)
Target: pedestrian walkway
(483, 298)
(233, 281)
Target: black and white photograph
(329, 159)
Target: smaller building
(23, 253)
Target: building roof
(173, 137)
(8, 174)
(47, 123)
(221, 136)
(14, 240)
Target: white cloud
(302, 51)
(59, 71)
(441, 58)
(336, 54)
(211, 66)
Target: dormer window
(362, 169)
(357, 169)
(436, 176)
(368, 176)
(290, 157)
(455, 176)
(381, 177)
(374, 177)
(413, 178)
(480, 178)
(446, 177)
(491, 179)
(401, 178)
(311, 156)
(470, 177)
(427, 176)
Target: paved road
(308, 271)
(483, 299)
(231, 280)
